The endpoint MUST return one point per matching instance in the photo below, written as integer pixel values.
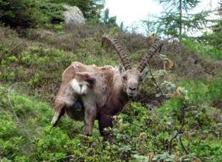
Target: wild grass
(204, 50)
(40, 66)
(138, 133)
(181, 129)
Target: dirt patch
(217, 104)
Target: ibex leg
(105, 121)
(90, 115)
(59, 112)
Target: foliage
(207, 51)
(53, 13)
(151, 26)
(181, 129)
(110, 21)
(22, 13)
(177, 19)
(137, 134)
(90, 8)
(30, 13)
(214, 38)
(29, 63)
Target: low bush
(178, 130)
(23, 13)
(204, 50)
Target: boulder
(73, 17)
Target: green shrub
(53, 13)
(90, 8)
(138, 133)
(203, 49)
(19, 13)
(214, 38)
(181, 129)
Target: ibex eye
(125, 77)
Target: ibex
(108, 89)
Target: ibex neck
(123, 97)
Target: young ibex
(108, 89)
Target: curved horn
(120, 49)
(151, 52)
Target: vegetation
(214, 37)
(177, 19)
(90, 8)
(31, 13)
(205, 50)
(22, 13)
(109, 21)
(182, 127)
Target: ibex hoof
(87, 132)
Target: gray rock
(73, 17)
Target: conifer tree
(177, 18)
(215, 38)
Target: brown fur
(106, 99)
(107, 95)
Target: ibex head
(131, 76)
(130, 80)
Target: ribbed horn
(120, 49)
(150, 53)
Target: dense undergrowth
(205, 50)
(183, 128)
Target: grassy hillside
(184, 128)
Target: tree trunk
(180, 25)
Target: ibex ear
(144, 73)
(88, 77)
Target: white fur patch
(75, 86)
(55, 118)
(84, 89)
(79, 87)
